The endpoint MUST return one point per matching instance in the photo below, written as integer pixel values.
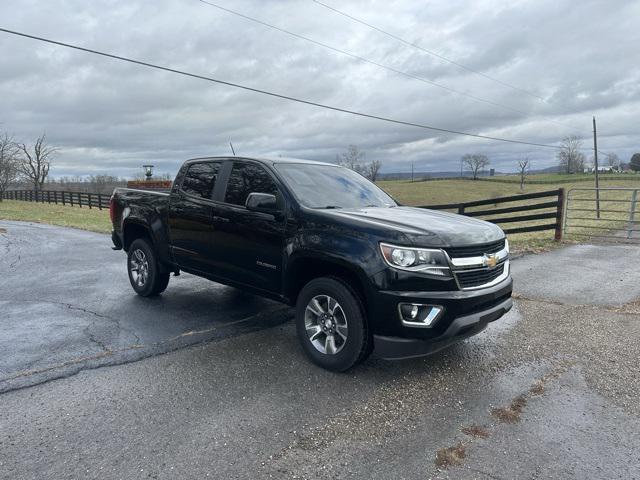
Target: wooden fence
(79, 199)
(545, 210)
(530, 222)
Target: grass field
(451, 191)
(93, 220)
(406, 192)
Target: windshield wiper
(329, 207)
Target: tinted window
(327, 186)
(248, 178)
(200, 179)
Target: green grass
(454, 191)
(83, 218)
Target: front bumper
(396, 348)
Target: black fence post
(559, 215)
(89, 200)
(99, 201)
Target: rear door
(191, 215)
(249, 244)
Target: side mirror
(262, 202)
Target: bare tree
(613, 160)
(372, 170)
(8, 163)
(36, 161)
(351, 158)
(523, 170)
(475, 162)
(570, 158)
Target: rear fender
(134, 228)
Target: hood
(426, 227)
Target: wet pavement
(66, 305)
(551, 390)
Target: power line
(272, 94)
(377, 64)
(429, 52)
(366, 60)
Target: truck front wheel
(147, 276)
(331, 324)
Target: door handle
(217, 218)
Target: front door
(249, 245)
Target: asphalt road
(67, 305)
(551, 390)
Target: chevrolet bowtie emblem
(489, 260)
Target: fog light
(418, 315)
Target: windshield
(328, 186)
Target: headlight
(423, 260)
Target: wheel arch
(132, 230)
(303, 269)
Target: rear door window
(200, 179)
(246, 178)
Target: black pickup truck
(363, 272)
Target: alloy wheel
(139, 267)
(326, 324)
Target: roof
(264, 159)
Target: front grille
(475, 250)
(476, 278)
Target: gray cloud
(111, 117)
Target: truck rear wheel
(148, 278)
(331, 324)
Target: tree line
(29, 166)
(570, 158)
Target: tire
(318, 318)
(148, 278)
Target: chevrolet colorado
(363, 272)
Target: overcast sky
(109, 117)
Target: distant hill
(423, 175)
(553, 169)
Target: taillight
(112, 209)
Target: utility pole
(461, 168)
(595, 158)
(232, 150)
(411, 171)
